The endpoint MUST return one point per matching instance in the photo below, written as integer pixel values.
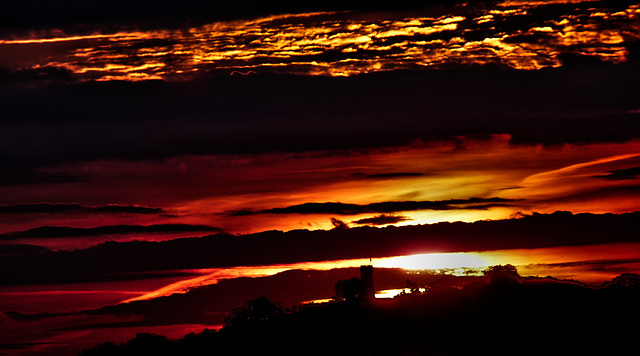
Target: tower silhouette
(366, 277)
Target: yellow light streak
(60, 39)
(434, 261)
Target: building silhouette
(366, 278)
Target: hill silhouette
(503, 314)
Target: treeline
(499, 314)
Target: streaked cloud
(75, 232)
(277, 247)
(345, 43)
(381, 219)
(76, 208)
(619, 174)
(381, 207)
(396, 175)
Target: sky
(188, 156)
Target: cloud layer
(75, 232)
(247, 115)
(60, 208)
(273, 247)
(383, 207)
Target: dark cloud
(28, 345)
(511, 188)
(339, 224)
(273, 247)
(45, 125)
(306, 208)
(381, 220)
(127, 209)
(620, 192)
(25, 175)
(616, 265)
(21, 249)
(621, 174)
(20, 316)
(64, 231)
(389, 175)
(383, 207)
(32, 76)
(76, 208)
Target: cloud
(339, 224)
(614, 265)
(20, 316)
(31, 76)
(44, 125)
(625, 195)
(55, 208)
(621, 174)
(381, 220)
(64, 231)
(511, 188)
(389, 175)
(275, 247)
(28, 345)
(21, 249)
(382, 207)
(24, 175)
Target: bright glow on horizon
(530, 262)
(391, 293)
(434, 261)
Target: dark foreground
(503, 316)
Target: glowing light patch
(67, 38)
(318, 301)
(391, 293)
(434, 261)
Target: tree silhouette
(413, 287)
(422, 325)
(254, 311)
(627, 280)
(142, 344)
(348, 289)
(501, 270)
(102, 349)
(502, 275)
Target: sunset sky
(160, 152)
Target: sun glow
(573, 262)
(434, 261)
